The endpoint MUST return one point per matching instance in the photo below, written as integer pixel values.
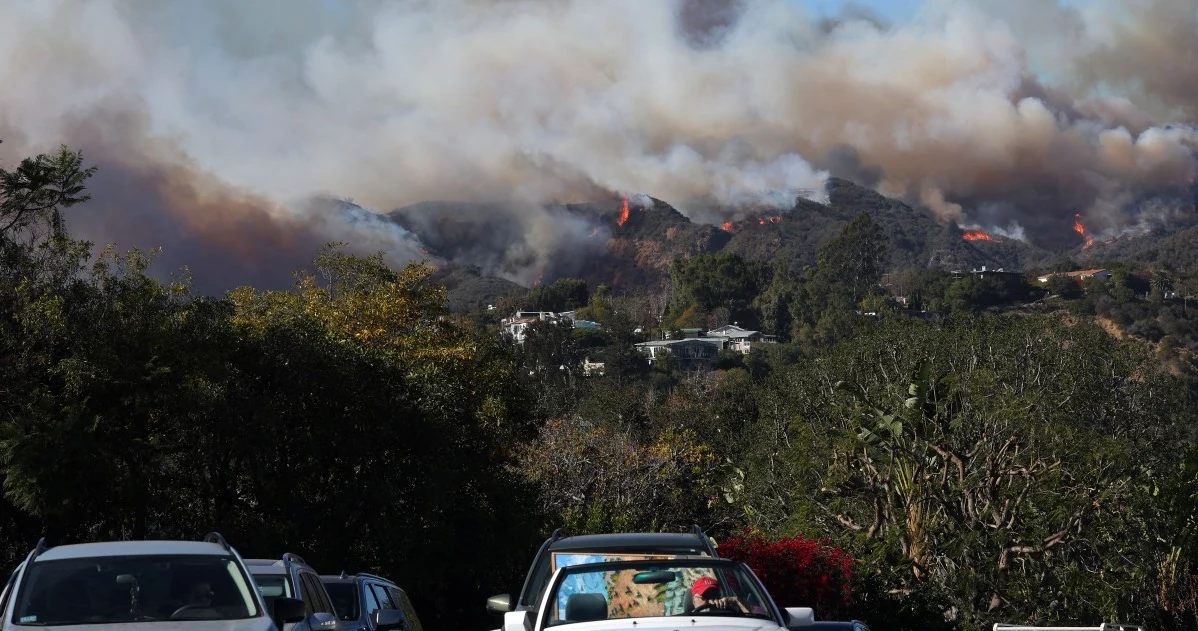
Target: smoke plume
(216, 123)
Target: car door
(370, 604)
(400, 598)
(317, 602)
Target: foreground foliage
(1020, 468)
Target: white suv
(186, 585)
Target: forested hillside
(987, 449)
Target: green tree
(33, 195)
(1066, 287)
(849, 269)
(941, 455)
(563, 294)
(713, 281)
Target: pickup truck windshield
(134, 589)
(627, 590)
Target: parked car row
(201, 585)
(649, 579)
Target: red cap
(704, 584)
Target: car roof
(130, 548)
(832, 624)
(265, 566)
(628, 540)
(350, 578)
(685, 560)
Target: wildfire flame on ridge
(1080, 229)
(624, 212)
(979, 235)
(733, 226)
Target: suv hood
(248, 624)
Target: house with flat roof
(1079, 275)
(690, 353)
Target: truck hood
(679, 623)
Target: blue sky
(893, 10)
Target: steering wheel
(703, 607)
(186, 608)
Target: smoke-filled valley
(234, 134)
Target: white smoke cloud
(1041, 110)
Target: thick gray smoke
(214, 121)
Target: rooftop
(705, 340)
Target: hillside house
(690, 353)
(1079, 275)
(739, 339)
(515, 328)
(986, 272)
(592, 369)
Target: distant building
(984, 272)
(690, 353)
(592, 369)
(516, 327)
(1085, 274)
(739, 339)
(697, 347)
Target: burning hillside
(736, 225)
(979, 235)
(1081, 229)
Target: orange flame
(1080, 229)
(979, 235)
(624, 212)
(733, 226)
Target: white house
(689, 352)
(1084, 274)
(739, 339)
(516, 327)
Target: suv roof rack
(375, 576)
(291, 557)
(217, 538)
(39, 549)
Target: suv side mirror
(387, 619)
(287, 610)
(799, 617)
(500, 604)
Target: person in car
(706, 594)
(200, 595)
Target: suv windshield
(647, 589)
(134, 589)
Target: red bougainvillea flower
(798, 572)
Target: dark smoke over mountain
(219, 126)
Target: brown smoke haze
(219, 124)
